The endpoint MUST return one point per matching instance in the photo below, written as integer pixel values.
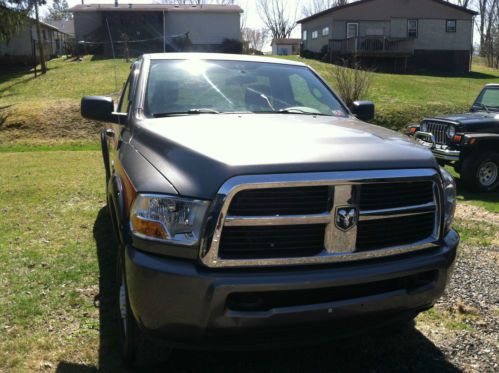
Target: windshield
(211, 87)
(488, 99)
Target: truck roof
(220, 57)
(492, 85)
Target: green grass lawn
(48, 202)
(45, 111)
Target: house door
(352, 30)
(352, 35)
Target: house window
(304, 36)
(325, 31)
(412, 28)
(315, 34)
(44, 35)
(451, 25)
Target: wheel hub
(488, 172)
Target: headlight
(424, 127)
(449, 197)
(451, 131)
(167, 218)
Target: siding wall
(19, 48)
(86, 23)
(392, 16)
(432, 35)
(315, 45)
(204, 28)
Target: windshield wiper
(301, 110)
(291, 111)
(482, 106)
(187, 112)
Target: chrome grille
(387, 224)
(438, 130)
(280, 201)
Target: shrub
(352, 83)
(232, 46)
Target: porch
(372, 46)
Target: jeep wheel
(480, 173)
(137, 349)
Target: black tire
(480, 172)
(105, 155)
(138, 350)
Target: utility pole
(40, 41)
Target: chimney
(115, 3)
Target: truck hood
(466, 120)
(198, 153)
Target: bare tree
(244, 14)
(277, 16)
(255, 37)
(315, 6)
(463, 3)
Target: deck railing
(372, 45)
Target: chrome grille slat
(438, 129)
(338, 245)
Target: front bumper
(426, 139)
(189, 305)
(446, 154)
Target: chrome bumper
(428, 140)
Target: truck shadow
(465, 195)
(391, 349)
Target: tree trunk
(40, 41)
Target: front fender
(116, 203)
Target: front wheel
(137, 349)
(480, 172)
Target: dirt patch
(39, 122)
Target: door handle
(109, 133)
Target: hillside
(45, 111)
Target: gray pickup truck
(253, 208)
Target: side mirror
(98, 108)
(363, 110)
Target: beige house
(285, 47)
(404, 34)
(156, 27)
(19, 49)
